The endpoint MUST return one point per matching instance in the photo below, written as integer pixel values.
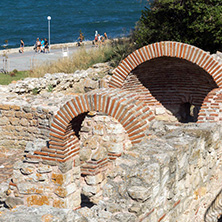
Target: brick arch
(167, 49)
(133, 114)
(211, 109)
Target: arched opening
(220, 219)
(102, 140)
(175, 84)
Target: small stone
(139, 193)
(13, 201)
(27, 170)
(91, 113)
(44, 169)
(93, 180)
(99, 154)
(85, 154)
(124, 217)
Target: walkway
(29, 58)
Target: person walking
(38, 45)
(42, 45)
(22, 44)
(46, 49)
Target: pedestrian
(22, 44)
(80, 38)
(42, 45)
(105, 36)
(46, 50)
(38, 45)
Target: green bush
(196, 22)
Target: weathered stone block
(114, 147)
(24, 122)
(99, 129)
(85, 153)
(115, 128)
(90, 190)
(13, 201)
(62, 179)
(27, 169)
(93, 180)
(29, 188)
(37, 200)
(65, 191)
(44, 169)
(66, 166)
(139, 193)
(99, 154)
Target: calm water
(27, 19)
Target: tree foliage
(196, 22)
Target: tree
(196, 22)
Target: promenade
(30, 59)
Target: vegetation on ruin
(196, 22)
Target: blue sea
(27, 19)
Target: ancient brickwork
(168, 49)
(122, 105)
(21, 124)
(170, 76)
(120, 113)
(211, 110)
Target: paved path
(28, 59)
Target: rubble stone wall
(19, 125)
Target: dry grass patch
(113, 52)
(82, 59)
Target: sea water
(27, 19)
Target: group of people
(99, 39)
(41, 45)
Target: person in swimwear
(22, 44)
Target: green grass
(5, 79)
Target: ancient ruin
(79, 147)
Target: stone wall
(172, 175)
(21, 124)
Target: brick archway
(133, 114)
(168, 49)
(173, 77)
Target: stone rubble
(169, 171)
(81, 80)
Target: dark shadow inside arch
(76, 123)
(85, 201)
(179, 85)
